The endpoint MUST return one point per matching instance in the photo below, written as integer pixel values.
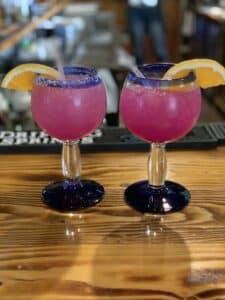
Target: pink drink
(68, 113)
(160, 115)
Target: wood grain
(110, 251)
(31, 26)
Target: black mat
(109, 139)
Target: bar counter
(110, 251)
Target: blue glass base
(170, 198)
(71, 195)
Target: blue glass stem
(72, 193)
(71, 162)
(157, 165)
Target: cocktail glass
(159, 111)
(68, 110)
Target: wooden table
(110, 251)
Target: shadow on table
(141, 259)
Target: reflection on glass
(159, 111)
(69, 109)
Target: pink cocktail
(69, 109)
(159, 111)
(160, 115)
(68, 113)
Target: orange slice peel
(209, 73)
(22, 77)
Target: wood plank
(110, 251)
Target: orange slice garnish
(209, 73)
(22, 77)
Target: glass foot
(71, 195)
(170, 198)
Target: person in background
(146, 16)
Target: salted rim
(91, 80)
(153, 70)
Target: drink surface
(68, 113)
(160, 114)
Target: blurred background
(109, 35)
